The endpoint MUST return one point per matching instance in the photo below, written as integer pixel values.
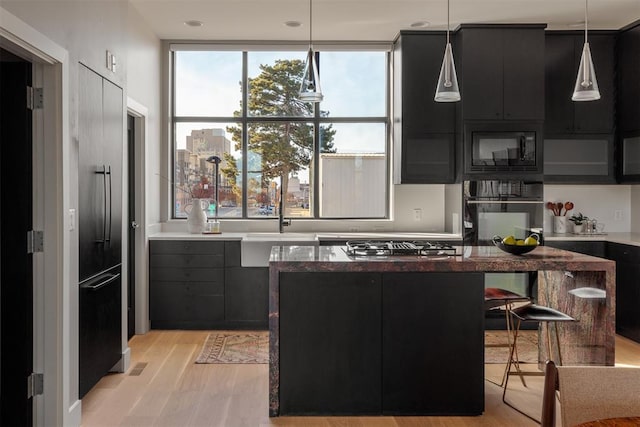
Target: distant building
(353, 185)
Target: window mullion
(245, 134)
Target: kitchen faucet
(282, 222)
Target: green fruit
(509, 240)
(531, 241)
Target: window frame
(316, 120)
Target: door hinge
(34, 98)
(35, 385)
(35, 241)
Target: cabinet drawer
(162, 274)
(186, 247)
(167, 306)
(187, 260)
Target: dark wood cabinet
(200, 285)
(563, 50)
(502, 72)
(381, 343)
(628, 52)
(580, 159)
(433, 343)
(593, 248)
(424, 130)
(246, 296)
(627, 260)
(330, 343)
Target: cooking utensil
(567, 207)
(559, 207)
(552, 207)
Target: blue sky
(353, 84)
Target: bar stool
(498, 298)
(533, 313)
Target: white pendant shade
(586, 88)
(310, 90)
(447, 89)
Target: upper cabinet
(562, 59)
(628, 79)
(502, 71)
(424, 130)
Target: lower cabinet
(200, 285)
(381, 343)
(433, 343)
(592, 248)
(627, 260)
(330, 342)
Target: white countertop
(613, 237)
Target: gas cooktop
(372, 248)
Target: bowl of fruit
(517, 246)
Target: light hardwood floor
(172, 390)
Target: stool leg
(549, 349)
(558, 343)
(510, 344)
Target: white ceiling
(373, 20)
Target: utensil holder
(560, 224)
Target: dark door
(16, 294)
(133, 225)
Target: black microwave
(502, 149)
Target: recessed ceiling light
(420, 24)
(193, 23)
(293, 24)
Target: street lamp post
(216, 224)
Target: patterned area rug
(235, 347)
(527, 347)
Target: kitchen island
(404, 335)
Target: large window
(324, 160)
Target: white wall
(595, 201)
(87, 29)
(635, 209)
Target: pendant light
(586, 88)
(447, 89)
(310, 90)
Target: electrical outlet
(617, 215)
(417, 214)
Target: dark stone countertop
(474, 258)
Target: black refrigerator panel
(99, 174)
(91, 185)
(100, 327)
(113, 131)
(100, 145)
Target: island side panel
(274, 340)
(591, 339)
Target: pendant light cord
(310, 23)
(586, 13)
(447, 21)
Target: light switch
(417, 214)
(72, 219)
